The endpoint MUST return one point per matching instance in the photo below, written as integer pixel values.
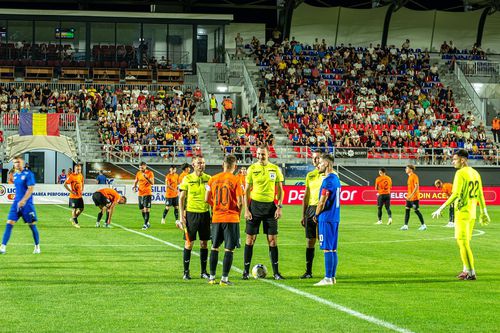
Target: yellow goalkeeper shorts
(464, 229)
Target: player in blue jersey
(23, 206)
(328, 217)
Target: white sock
(212, 277)
(472, 272)
(225, 278)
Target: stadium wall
(350, 195)
(425, 29)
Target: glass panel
(73, 40)
(102, 43)
(213, 50)
(47, 41)
(180, 46)
(155, 37)
(19, 33)
(128, 43)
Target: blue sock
(328, 264)
(7, 233)
(36, 236)
(335, 262)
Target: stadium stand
(389, 100)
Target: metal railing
(75, 87)
(10, 121)
(248, 84)
(203, 88)
(480, 68)
(478, 102)
(289, 154)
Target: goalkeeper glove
(484, 219)
(437, 213)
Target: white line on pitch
(86, 245)
(315, 298)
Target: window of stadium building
(209, 43)
(155, 39)
(19, 31)
(180, 45)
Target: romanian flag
(39, 124)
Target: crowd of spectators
(242, 135)
(132, 121)
(384, 99)
(136, 123)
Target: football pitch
(123, 279)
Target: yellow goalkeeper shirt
(467, 192)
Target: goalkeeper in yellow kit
(467, 192)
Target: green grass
(104, 280)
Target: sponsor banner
(57, 194)
(350, 195)
(366, 195)
(297, 170)
(351, 152)
(110, 170)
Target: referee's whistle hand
(248, 215)
(303, 222)
(277, 214)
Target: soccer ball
(259, 271)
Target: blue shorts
(28, 213)
(328, 233)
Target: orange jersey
(383, 184)
(110, 194)
(242, 179)
(447, 187)
(75, 181)
(182, 175)
(171, 184)
(225, 188)
(412, 184)
(11, 178)
(144, 185)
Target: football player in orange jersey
(446, 188)
(144, 180)
(225, 193)
(412, 198)
(106, 199)
(74, 185)
(171, 193)
(383, 185)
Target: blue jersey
(22, 180)
(331, 212)
(62, 178)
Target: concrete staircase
(211, 149)
(90, 141)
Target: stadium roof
(243, 10)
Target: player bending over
(467, 192)
(107, 199)
(23, 206)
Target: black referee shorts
(310, 225)
(262, 212)
(198, 223)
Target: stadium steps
(208, 139)
(90, 140)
